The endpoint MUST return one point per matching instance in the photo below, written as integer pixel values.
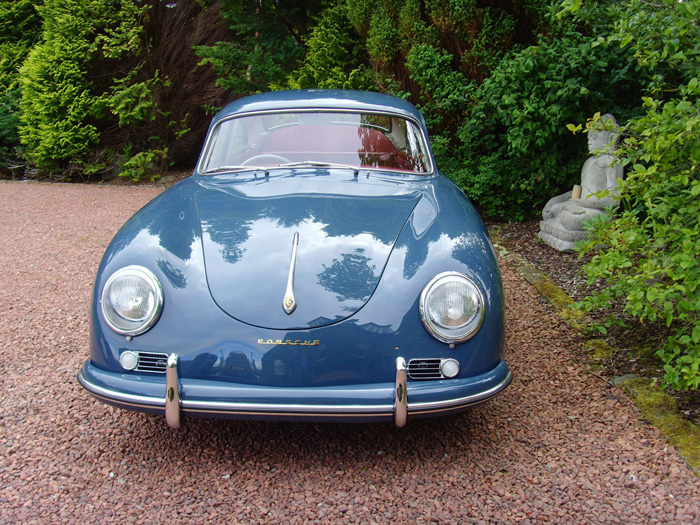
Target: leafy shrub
(445, 91)
(663, 35)
(650, 263)
(20, 28)
(336, 57)
(497, 98)
(142, 164)
(432, 51)
(516, 149)
(265, 45)
(383, 38)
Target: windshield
(358, 140)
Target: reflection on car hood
(344, 241)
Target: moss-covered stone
(657, 407)
(555, 296)
(661, 410)
(647, 352)
(598, 349)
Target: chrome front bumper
(175, 401)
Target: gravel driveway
(558, 445)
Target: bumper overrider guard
(173, 403)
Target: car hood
(346, 231)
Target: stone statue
(564, 215)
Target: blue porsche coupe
(316, 267)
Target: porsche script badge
(290, 342)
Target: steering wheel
(255, 159)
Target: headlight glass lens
(452, 307)
(132, 300)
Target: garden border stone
(656, 406)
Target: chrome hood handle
(289, 303)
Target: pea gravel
(558, 446)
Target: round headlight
(132, 300)
(452, 307)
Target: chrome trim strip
(289, 303)
(223, 406)
(219, 406)
(400, 394)
(172, 393)
(120, 397)
(291, 409)
(461, 401)
(383, 416)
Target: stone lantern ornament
(564, 215)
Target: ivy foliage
(652, 246)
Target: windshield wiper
(318, 164)
(300, 164)
(221, 169)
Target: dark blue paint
(220, 245)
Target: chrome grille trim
(152, 362)
(425, 369)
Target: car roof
(324, 99)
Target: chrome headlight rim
(461, 333)
(144, 325)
